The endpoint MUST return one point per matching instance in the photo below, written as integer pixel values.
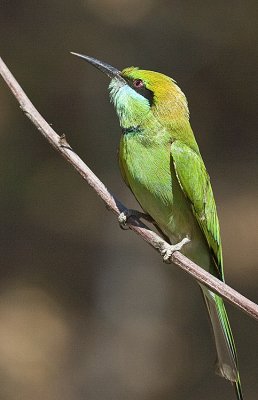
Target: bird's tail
(227, 364)
(238, 389)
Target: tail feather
(238, 389)
(227, 363)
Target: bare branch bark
(61, 145)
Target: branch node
(63, 142)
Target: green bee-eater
(161, 163)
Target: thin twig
(61, 145)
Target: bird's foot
(166, 250)
(125, 215)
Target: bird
(161, 163)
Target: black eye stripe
(143, 91)
(148, 94)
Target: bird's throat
(132, 108)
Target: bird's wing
(195, 183)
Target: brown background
(88, 311)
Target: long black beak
(102, 66)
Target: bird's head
(140, 95)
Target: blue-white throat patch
(130, 106)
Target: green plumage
(161, 163)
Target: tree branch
(61, 145)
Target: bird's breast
(149, 172)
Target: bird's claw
(166, 250)
(122, 220)
(125, 215)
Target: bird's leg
(125, 215)
(166, 250)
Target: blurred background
(88, 311)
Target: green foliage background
(88, 311)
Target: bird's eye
(138, 83)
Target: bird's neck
(152, 131)
(132, 109)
